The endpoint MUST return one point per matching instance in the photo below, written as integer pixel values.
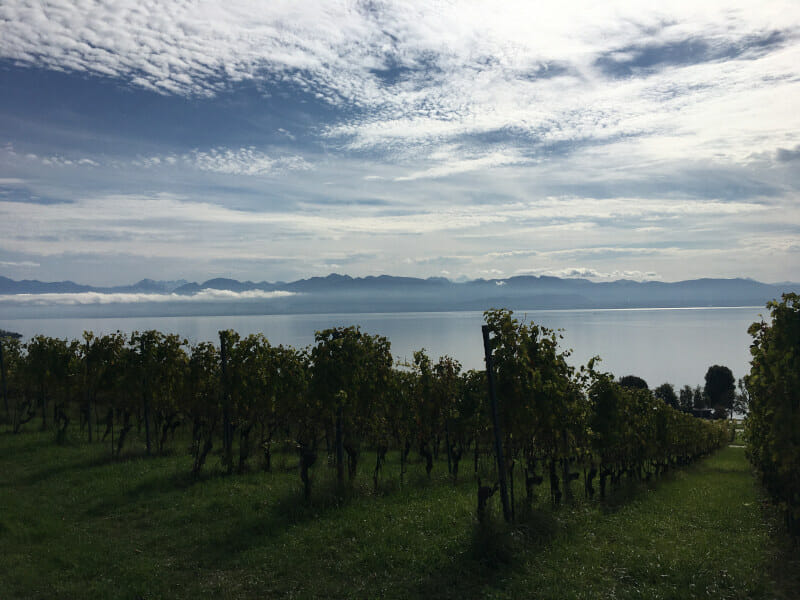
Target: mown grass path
(73, 525)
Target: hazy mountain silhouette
(32, 286)
(385, 293)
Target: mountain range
(385, 293)
(33, 286)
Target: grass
(73, 524)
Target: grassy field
(74, 525)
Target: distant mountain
(32, 286)
(147, 286)
(385, 293)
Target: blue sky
(273, 141)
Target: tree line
(345, 397)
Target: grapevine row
(773, 423)
(346, 395)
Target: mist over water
(659, 345)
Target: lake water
(659, 345)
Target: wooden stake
(498, 434)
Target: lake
(659, 345)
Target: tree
(686, 398)
(304, 413)
(542, 408)
(447, 393)
(350, 376)
(741, 403)
(107, 374)
(18, 383)
(720, 388)
(202, 401)
(633, 382)
(699, 398)
(40, 359)
(607, 440)
(285, 384)
(10, 335)
(472, 413)
(127, 390)
(400, 413)
(166, 378)
(426, 411)
(252, 377)
(99, 362)
(666, 393)
(227, 342)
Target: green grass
(73, 524)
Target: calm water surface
(672, 345)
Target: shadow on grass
(286, 510)
(35, 440)
(84, 464)
(629, 490)
(784, 564)
(623, 494)
(495, 549)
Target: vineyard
(142, 466)
(345, 399)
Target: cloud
(139, 218)
(244, 161)
(646, 58)
(786, 155)
(83, 298)
(616, 251)
(183, 48)
(229, 161)
(573, 132)
(146, 223)
(22, 263)
(453, 167)
(411, 72)
(593, 274)
(61, 161)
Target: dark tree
(699, 398)
(666, 392)
(720, 388)
(686, 398)
(741, 403)
(633, 382)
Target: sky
(281, 140)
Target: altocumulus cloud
(229, 161)
(436, 70)
(533, 133)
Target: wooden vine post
(3, 375)
(146, 393)
(227, 433)
(339, 440)
(498, 434)
(87, 398)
